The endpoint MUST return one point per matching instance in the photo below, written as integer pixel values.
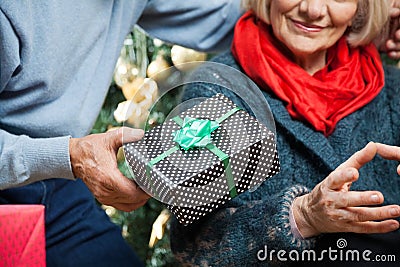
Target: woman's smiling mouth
(305, 27)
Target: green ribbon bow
(196, 133)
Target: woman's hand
(332, 207)
(94, 160)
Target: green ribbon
(196, 133)
(227, 165)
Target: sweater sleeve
(199, 24)
(245, 232)
(24, 160)
(9, 51)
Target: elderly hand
(332, 207)
(94, 160)
(392, 44)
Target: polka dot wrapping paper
(195, 182)
(22, 235)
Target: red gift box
(22, 236)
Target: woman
(330, 96)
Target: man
(56, 64)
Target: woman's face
(307, 27)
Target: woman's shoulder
(386, 105)
(202, 87)
(226, 58)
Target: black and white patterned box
(194, 182)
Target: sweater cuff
(48, 158)
(283, 225)
(293, 224)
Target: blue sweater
(56, 63)
(233, 235)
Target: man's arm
(25, 160)
(198, 24)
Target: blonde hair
(371, 18)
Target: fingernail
(394, 212)
(134, 132)
(132, 135)
(394, 226)
(139, 131)
(375, 198)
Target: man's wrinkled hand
(94, 160)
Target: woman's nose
(314, 8)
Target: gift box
(203, 157)
(22, 236)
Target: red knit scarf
(350, 80)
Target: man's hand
(94, 160)
(392, 44)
